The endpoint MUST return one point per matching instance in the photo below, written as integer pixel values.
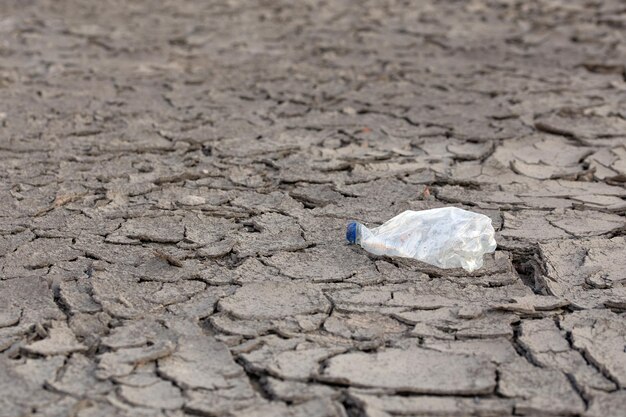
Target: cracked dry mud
(176, 178)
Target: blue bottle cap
(351, 232)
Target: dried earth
(176, 178)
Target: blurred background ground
(176, 178)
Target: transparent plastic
(447, 237)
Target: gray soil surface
(176, 177)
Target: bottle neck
(353, 235)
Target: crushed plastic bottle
(447, 237)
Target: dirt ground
(176, 178)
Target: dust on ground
(176, 178)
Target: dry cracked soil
(176, 177)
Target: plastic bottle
(447, 237)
